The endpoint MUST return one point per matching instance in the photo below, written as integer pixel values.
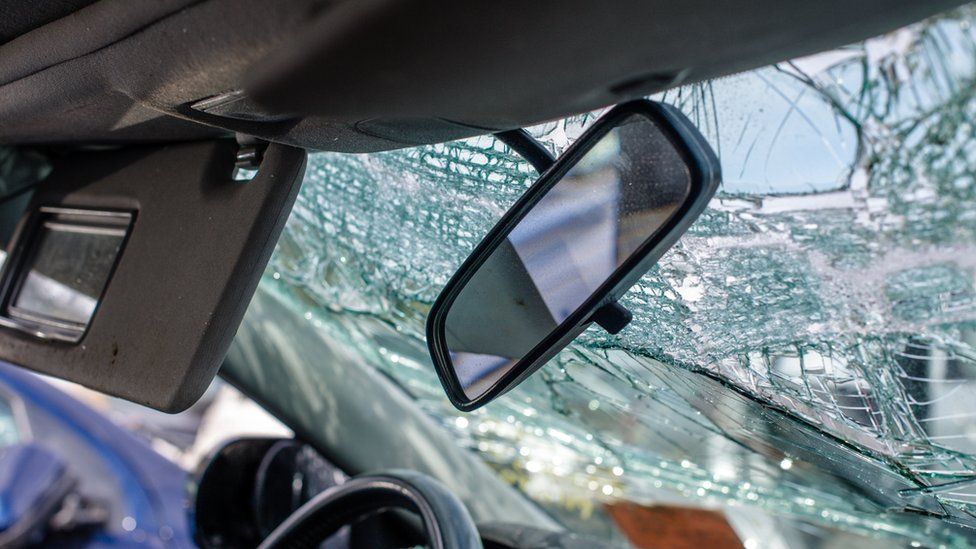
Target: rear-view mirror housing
(561, 257)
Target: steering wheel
(447, 523)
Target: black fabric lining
(21, 16)
(119, 70)
(60, 41)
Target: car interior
(160, 148)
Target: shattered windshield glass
(808, 348)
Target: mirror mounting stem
(524, 144)
(612, 317)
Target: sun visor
(130, 270)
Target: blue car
(70, 477)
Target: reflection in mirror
(69, 269)
(620, 193)
(61, 266)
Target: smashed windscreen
(808, 348)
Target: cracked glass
(807, 349)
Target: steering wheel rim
(446, 520)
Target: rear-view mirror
(582, 235)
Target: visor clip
(250, 154)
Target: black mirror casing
(704, 177)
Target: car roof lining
(18, 17)
(61, 41)
(312, 74)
